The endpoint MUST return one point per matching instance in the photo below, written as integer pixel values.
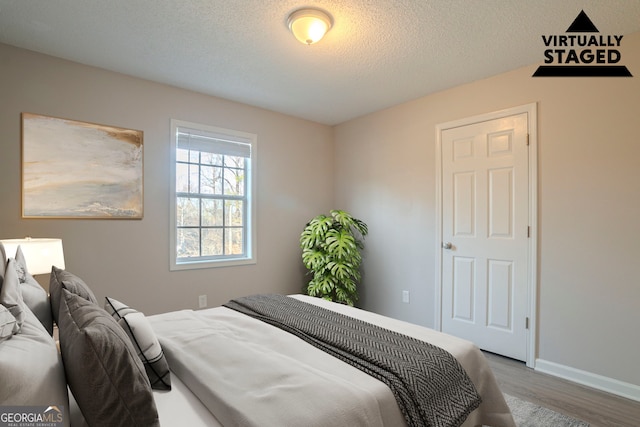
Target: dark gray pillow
(144, 340)
(104, 373)
(62, 279)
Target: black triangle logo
(582, 24)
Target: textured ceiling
(378, 54)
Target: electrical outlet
(405, 297)
(202, 301)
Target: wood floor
(593, 406)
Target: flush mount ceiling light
(309, 25)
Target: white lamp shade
(39, 254)
(309, 25)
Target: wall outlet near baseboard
(202, 301)
(405, 297)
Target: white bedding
(249, 373)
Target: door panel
(500, 283)
(501, 203)
(485, 204)
(464, 204)
(464, 289)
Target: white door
(485, 210)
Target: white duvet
(249, 373)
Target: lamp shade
(309, 25)
(39, 254)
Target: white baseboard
(609, 385)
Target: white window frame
(250, 256)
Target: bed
(238, 380)
(212, 367)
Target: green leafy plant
(331, 252)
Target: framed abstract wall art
(73, 169)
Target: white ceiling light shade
(309, 25)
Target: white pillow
(144, 341)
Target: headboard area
(30, 364)
(95, 358)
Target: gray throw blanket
(430, 386)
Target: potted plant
(331, 252)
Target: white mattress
(181, 408)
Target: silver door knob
(446, 245)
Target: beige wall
(129, 259)
(588, 206)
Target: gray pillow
(34, 295)
(31, 372)
(3, 262)
(62, 279)
(144, 340)
(7, 323)
(103, 370)
(21, 265)
(10, 295)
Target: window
(212, 209)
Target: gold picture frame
(74, 169)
